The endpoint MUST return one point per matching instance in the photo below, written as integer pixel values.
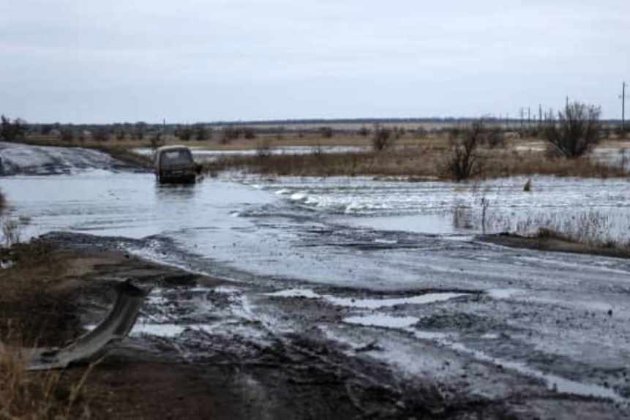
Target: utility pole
(623, 106)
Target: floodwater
(208, 155)
(385, 255)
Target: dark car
(175, 164)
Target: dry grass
(33, 299)
(39, 395)
(414, 162)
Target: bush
(184, 133)
(364, 132)
(201, 132)
(249, 133)
(421, 132)
(67, 134)
(382, 139)
(326, 132)
(463, 161)
(12, 130)
(622, 132)
(576, 131)
(494, 137)
(101, 135)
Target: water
(205, 155)
(390, 239)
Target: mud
(247, 350)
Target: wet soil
(554, 244)
(228, 365)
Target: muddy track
(296, 354)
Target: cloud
(238, 59)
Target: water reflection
(176, 191)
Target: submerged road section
(373, 280)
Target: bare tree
(576, 131)
(463, 161)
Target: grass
(37, 309)
(414, 162)
(33, 299)
(39, 395)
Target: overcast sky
(194, 60)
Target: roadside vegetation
(39, 395)
(36, 311)
(452, 150)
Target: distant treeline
(226, 131)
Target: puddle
(431, 224)
(368, 303)
(553, 382)
(503, 293)
(382, 320)
(296, 293)
(158, 330)
(385, 303)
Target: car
(175, 164)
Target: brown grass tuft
(38, 395)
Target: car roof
(174, 147)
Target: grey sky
(193, 60)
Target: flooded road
(375, 269)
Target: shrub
(12, 130)
(463, 160)
(383, 138)
(184, 133)
(421, 132)
(201, 132)
(249, 133)
(364, 131)
(576, 131)
(494, 137)
(67, 134)
(326, 132)
(230, 133)
(101, 135)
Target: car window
(176, 157)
